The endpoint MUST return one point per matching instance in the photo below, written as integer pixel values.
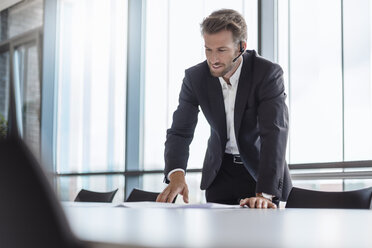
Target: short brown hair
(225, 19)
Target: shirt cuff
(179, 169)
(267, 196)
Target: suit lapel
(217, 106)
(242, 92)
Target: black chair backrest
(356, 199)
(92, 196)
(30, 214)
(138, 195)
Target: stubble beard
(223, 73)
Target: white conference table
(107, 226)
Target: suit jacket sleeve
(181, 133)
(273, 123)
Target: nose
(214, 58)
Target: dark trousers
(232, 183)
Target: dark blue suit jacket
(260, 122)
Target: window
(325, 49)
(21, 18)
(91, 94)
(315, 90)
(327, 64)
(4, 93)
(357, 52)
(20, 35)
(28, 93)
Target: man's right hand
(176, 186)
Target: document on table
(174, 205)
(150, 205)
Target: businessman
(242, 97)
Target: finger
(162, 197)
(171, 196)
(185, 194)
(272, 205)
(259, 203)
(244, 202)
(252, 202)
(158, 197)
(264, 204)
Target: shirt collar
(234, 79)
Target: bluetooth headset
(241, 51)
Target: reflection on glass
(28, 94)
(21, 18)
(152, 182)
(69, 187)
(4, 92)
(3, 127)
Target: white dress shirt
(229, 95)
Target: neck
(228, 75)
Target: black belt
(236, 158)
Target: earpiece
(241, 51)
(241, 47)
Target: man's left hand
(257, 202)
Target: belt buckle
(237, 159)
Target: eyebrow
(223, 47)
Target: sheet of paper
(174, 205)
(149, 205)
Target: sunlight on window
(91, 86)
(358, 83)
(315, 91)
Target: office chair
(30, 214)
(356, 199)
(138, 195)
(92, 196)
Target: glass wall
(21, 18)
(20, 27)
(69, 186)
(315, 91)
(28, 93)
(91, 91)
(325, 50)
(4, 93)
(357, 32)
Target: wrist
(264, 195)
(176, 176)
(173, 171)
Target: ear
(243, 45)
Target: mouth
(216, 66)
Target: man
(242, 97)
